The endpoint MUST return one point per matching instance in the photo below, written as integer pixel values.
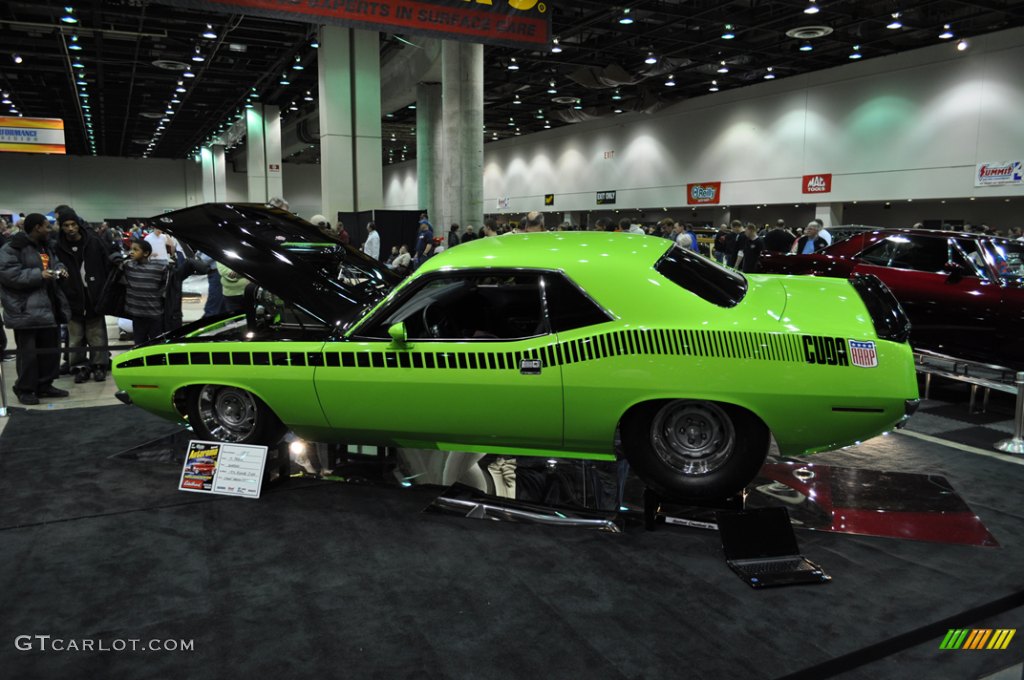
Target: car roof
(581, 254)
(934, 232)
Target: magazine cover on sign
(200, 466)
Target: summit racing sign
(501, 22)
(705, 192)
(1001, 172)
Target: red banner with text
(704, 192)
(818, 184)
(504, 22)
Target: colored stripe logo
(978, 638)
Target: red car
(964, 293)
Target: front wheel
(695, 449)
(234, 415)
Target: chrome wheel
(693, 437)
(229, 414)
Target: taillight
(891, 322)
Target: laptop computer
(761, 548)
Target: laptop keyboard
(774, 567)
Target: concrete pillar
(351, 168)
(829, 213)
(462, 94)
(429, 150)
(215, 182)
(263, 152)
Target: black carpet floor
(344, 581)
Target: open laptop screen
(757, 533)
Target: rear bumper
(123, 397)
(909, 409)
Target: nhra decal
(863, 354)
(756, 346)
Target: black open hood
(329, 280)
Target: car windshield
(1008, 258)
(702, 277)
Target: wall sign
(549, 199)
(31, 135)
(818, 184)
(225, 469)
(703, 193)
(501, 22)
(274, 167)
(606, 198)
(999, 172)
(504, 202)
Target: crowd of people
(59, 281)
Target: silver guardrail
(977, 374)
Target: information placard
(222, 468)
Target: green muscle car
(531, 344)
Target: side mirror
(956, 271)
(397, 333)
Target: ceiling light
(81, 79)
(961, 46)
(308, 97)
(314, 43)
(17, 58)
(812, 8)
(616, 95)
(856, 52)
(728, 33)
(293, 107)
(714, 86)
(6, 99)
(651, 59)
(947, 33)
(895, 23)
(197, 56)
(671, 82)
(284, 79)
(806, 47)
(69, 16)
(174, 100)
(555, 47)
(770, 75)
(551, 88)
(512, 65)
(625, 19)
(208, 33)
(76, 64)
(578, 105)
(298, 64)
(618, 110)
(188, 73)
(517, 100)
(74, 44)
(723, 68)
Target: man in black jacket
(87, 259)
(811, 241)
(34, 306)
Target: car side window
(468, 307)
(568, 306)
(906, 251)
(968, 255)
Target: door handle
(530, 366)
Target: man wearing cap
(34, 307)
(87, 260)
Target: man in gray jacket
(34, 307)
